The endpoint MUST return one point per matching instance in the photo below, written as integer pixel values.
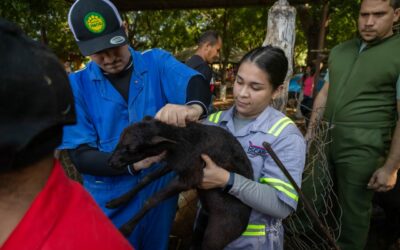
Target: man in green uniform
(362, 108)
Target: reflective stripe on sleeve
(254, 230)
(278, 127)
(282, 186)
(214, 117)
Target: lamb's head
(139, 141)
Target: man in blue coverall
(117, 88)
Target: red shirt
(64, 216)
(308, 86)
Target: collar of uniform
(139, 66)
(375, 43)
(261, 124)
(266, 119)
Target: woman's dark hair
(312, 71)
(270, 59)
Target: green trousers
(354, 155)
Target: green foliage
(177, 30)
(165, 29)
(45, 21)
(341, 26)
(343, 22)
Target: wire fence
(301, 232)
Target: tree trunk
(309, 17)
(43, 36)
(281, 33)
(226, 50)
(321, 45)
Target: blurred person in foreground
(40, 207)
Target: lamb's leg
(145, 181)
(173, 188)
(199, 229)
(221, 230)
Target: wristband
(230, 182)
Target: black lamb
(228, 216)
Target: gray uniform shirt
(265, 231)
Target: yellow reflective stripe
(277, 124)
(254, 230)
(277, 128)
(211, 117)
(288, 193)
(284, 125)
(275, 183)
(214, 117)
(252, 226)
(253, 234)
(217, 117)
(274, 180)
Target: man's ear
(396, 15)
(126, 27)
(208, 46)
(158, 139)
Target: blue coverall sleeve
(83, 132)
(176, 76)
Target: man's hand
(309, 137)
(214, 176)
(310, 132)
(178, 115)
(147, 162)
(383, 180)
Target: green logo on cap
(95, 22)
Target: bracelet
(230, 182)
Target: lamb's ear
(158, 139)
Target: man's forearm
(319, 106)
(393, 159)
(91, 161)
(198, 92)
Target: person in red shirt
(308, 88)
(40, 208)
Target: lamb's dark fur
(228, 217)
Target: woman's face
(308, 70)
(252, 90)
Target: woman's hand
(214, 176)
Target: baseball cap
(35, 94)
(96, 25)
